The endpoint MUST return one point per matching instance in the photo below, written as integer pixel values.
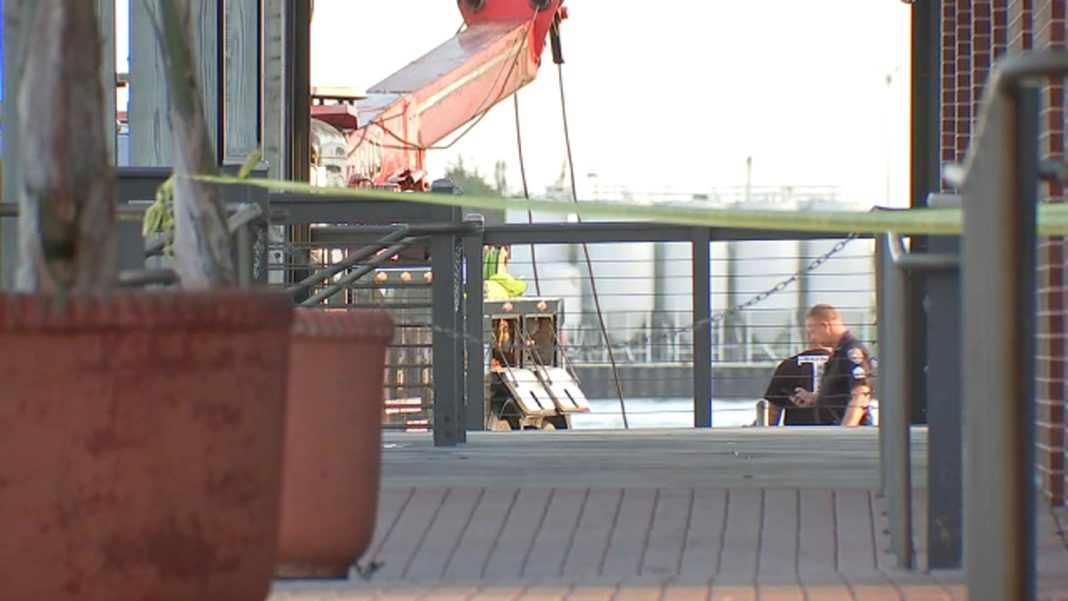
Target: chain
(757, 299)
(783, 285)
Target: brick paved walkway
(623, 537)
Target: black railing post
(999, 195)
(446, 259)
(894, 406)
(944, 435)
(702, 328)
(475, 388)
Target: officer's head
(824, 326)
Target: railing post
(445, 361)
(702, 329)
(762, 407)
(882, 263)
(944, 443)
(250, 248)
(475, 377)
(894, 406)
(999, 197)
(447, 313)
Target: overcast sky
(673, 93)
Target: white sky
(674, 92)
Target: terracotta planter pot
(141, 444)
(333, 442)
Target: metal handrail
(124, 212)
(903, 259)
(999, 190)
(358, 273)
(349, 261)
(244, 215)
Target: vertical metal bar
(999, 197)
(242, 250)
(1026, 249)
(925, 141)
(702, 329)
(261, 241)
(942, 301)
(457, 339)
(298, 86)
(444, 360)
(298, 119)
(475, 412)
(130, 246)
(882, 264)
(895, 367)
(762, 413)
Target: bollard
(762, 413)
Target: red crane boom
(388, 131)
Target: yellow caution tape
(1052, 219)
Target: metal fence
(679, 360)
(759, 287)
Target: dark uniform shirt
(848, 367)
(800, 371)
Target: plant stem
(202, 248)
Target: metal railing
(682, 347)
(988, 427)
(646, 279)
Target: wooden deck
(662, 515)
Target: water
(662, 413)
(669, 413)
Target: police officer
(845, 388)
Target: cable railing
(646, 290)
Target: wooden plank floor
(660, 515)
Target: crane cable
(526, 191)
(586, 249)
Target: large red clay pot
(333, 442)
(140, 445)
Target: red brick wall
(964, 77)
(1048, 31)
(1020, 25)
(974, 33)
(948, 152)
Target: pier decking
(768, 513)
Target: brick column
(1048, 22)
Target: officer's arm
(859, 398)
